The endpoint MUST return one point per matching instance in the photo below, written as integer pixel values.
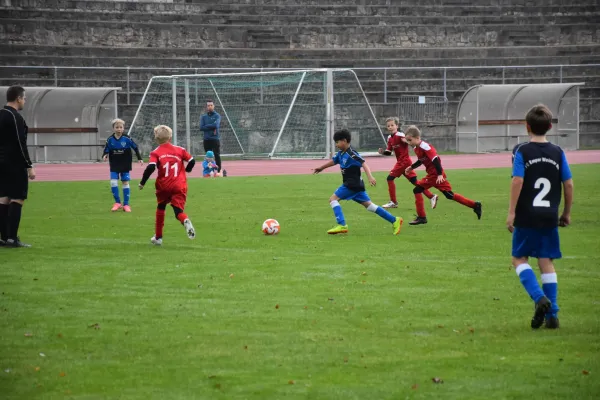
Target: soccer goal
(276, 114)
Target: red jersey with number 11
(169, 163)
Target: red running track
(99, 171)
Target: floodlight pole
(174, 110)
(188, 139)
(287, 115)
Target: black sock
(3, 221)
(14, 219)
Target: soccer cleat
(189, 228)
(552, 322)
(477, 209)
(16, 243)
(433, 201)
(541, 308)
(418, 221)
(338, 229)
(116, 207)
(397, 225)
(155, 241)
(224, 173)
(126, 208)
(391, 204)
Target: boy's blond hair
(412, 131)
(395, 119)
(163, 133)
(539, 119)
(116, 121)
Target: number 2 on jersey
(175, 170)
(545, 185)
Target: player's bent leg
(433, 198)
(185, 221)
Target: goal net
(263, 114)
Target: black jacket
(13, 138)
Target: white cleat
(155, 241)
(189, 228)
(433, 201)
(391, 204)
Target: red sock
(182, 217)
(428, 194)
(463, 200)
(392, 190)
(420, 206)
(160, 223)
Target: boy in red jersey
(171, 183)
(397, 144)
(436, 177)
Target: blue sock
(385, 215)
(337, 210)
(550, 287)
(529, 281)
(114, 186)
(126, 193)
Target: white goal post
(275, 114)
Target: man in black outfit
(15, 167)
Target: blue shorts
(124, 176)
(346, 194)
(536, 242)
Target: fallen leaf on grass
(28, 334)
(231, 275)
(95, 326)
(42, 355)
(37, 369)
(306, 307)
(62, 374)
(60, 335)
(212, 376)
(346, 359)
(245, 347)
(440, 326)
(330, 298)
(364, 273)
(414, 387)
(277, 306)
(217, 386)
(472, 330)
(362, 260)
(455, 331)
(437, 380)
(585, 372)
(291, 382)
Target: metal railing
(500, 73)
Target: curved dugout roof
(66, 107)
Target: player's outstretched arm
(565, 218)
(372, 180)
(147, 172)
(328, 164)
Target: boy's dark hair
(342, 134)
(210, 101)
(539, 119)
(14, 92)
(412, 131)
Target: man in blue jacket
(209, 124)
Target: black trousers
(215, 147)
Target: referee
(15, 167)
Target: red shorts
(429, 182)
(399, 169)
(176, 197)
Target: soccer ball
(270, 227)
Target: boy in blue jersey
(540, 170)
(353, 187)
(118, 152)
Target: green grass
(237, 315)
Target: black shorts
(14, 182)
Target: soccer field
(93, 311)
